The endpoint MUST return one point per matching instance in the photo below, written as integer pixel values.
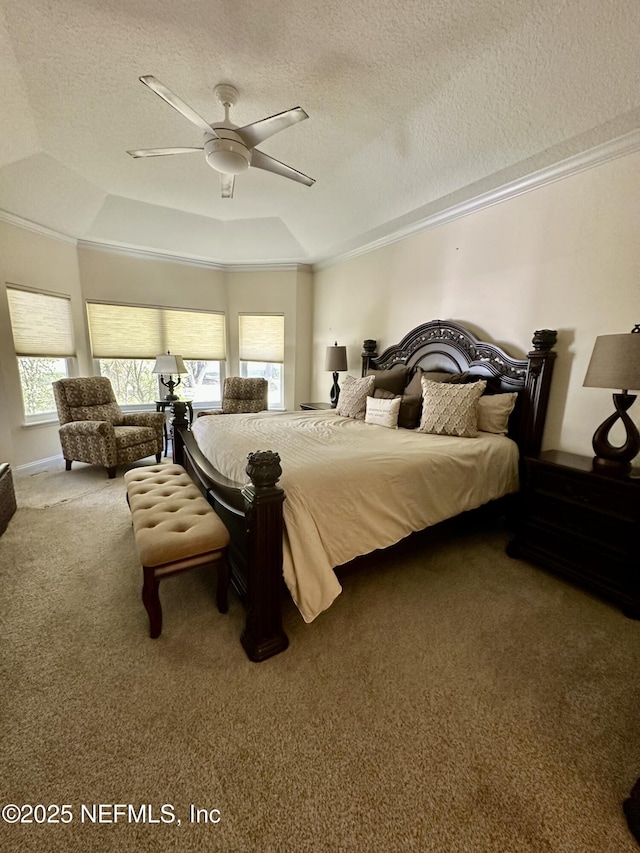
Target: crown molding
(621, 146)
(629, 143)
(27, 225)
(171, 257)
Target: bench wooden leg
(151, 601)
(222, 588)
(67, 464)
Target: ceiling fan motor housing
(227, 152)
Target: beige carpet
(451, 700)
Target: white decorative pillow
(352, 401)
(383, 412)
(494, 411)
(450, 409)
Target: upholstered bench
(175, 530)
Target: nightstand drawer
(581, 560)
(598, 495)
(612, 533)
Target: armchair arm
(89, 441)
(150, 419)
(88, 428)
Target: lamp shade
(169, 364)
(336, 358)
(615, 362)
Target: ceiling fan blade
(226, 185)
(254, 134)
(177, 103)
(263, 161)
(160, 152)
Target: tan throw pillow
(352, 402)
(450, 409)
(494, 411)
(383, 412)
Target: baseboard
(39, 465)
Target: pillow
(414, 386)
(382, 412)
(410, 408)
(450, 409)
(392, 380)
(352, 401)
(494, 411)
(410, 412)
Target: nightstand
(319, 407)
(582, 524)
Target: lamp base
(610, 459)
(611, 467)
(171, 397)
(334, 394)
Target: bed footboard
(253, 516)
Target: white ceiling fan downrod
(226, 152)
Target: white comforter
(352, 487)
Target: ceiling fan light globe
(227, 156)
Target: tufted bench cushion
(175, 529)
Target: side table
(318, 407)
(582, 524)
(161, 406)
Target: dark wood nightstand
(582, 524)
(307, 407)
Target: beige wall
(565, 256)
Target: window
(262, 352)
(42, 329)
(125, 340)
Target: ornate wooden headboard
(447, 346)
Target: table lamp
(335, 360)
(170, 365)
(615, 363)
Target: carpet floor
(451, 700)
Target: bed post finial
(263, 635)
(369, 353)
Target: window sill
(52, 421)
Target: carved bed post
(369, 352)
(178, 422)
(537, 385)
(177, 444)
(263, 635)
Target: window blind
(261, 337)
(134, 331)
(42, 324)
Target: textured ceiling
(411, 103)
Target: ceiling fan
(227, 148)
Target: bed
(306, 492)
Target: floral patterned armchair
(242, 395)
(94, 429)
